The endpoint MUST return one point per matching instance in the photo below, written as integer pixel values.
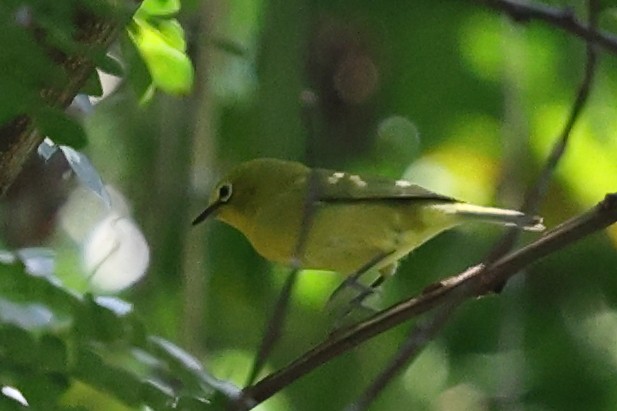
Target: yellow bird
(346, 222)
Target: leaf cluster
(50, 337)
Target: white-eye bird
(354, 220)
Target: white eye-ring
(224, 192)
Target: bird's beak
(209, 210)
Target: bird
(321, 219)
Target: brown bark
(18, 137)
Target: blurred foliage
(159, 38)
(52, 338)
(454, 97)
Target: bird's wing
(347, 187)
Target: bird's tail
(492, 215)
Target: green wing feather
(346, 187)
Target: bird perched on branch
(337, 221)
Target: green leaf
(93, 86)
(123, 384)
(47, 353)
(172, 32)
(53, 351)
(189, 369)
(18, 345)
(156, 392)
(163, 53)
(18, 286)
(103, 324)
(55, 124)
(17, 99)
(159, 7)
(41, 390)
(171, 70)
(23, 60)
(108, 64)
(138, 75)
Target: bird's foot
(353, 301)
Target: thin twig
(536, 193)
(477, 280)
(277, 319)
(421, 334)
(274, 327)
(563, 19)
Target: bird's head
(248, 187)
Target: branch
(475, 281)
(423, 334)
(18, 137)
(274, 326)
(418, 338)
(480, 279)
(563, 19)
(277, 318)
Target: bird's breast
(343, 237)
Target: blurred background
(446, 93)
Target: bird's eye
(225, 192)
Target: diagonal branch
(420, 335)
(480, 279)
(475, 281)
(423, 334)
